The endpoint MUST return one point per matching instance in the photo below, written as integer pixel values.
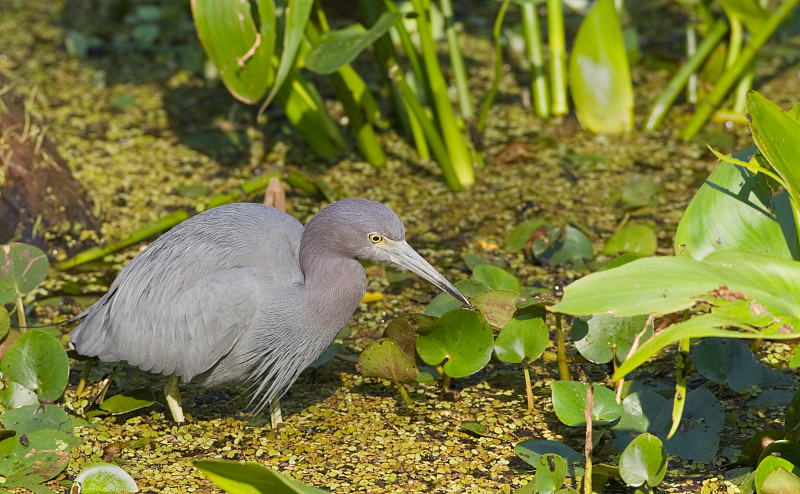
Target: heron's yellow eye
(375, 238)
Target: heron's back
(181, 305)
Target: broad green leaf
(728, 361)
(642, 411)
(750, 12)
(600, 337)
(777, 135)
(569, 402)
(633, 239)
(572, 248)
(22, 268)
(729, 212)
(444, 302)
(782, 448)
(29, 418)
(551, 470)
(531, 450)
(461, 336)
(662, 285)
(296, 17)
(643, 461)
(697, 437)
(251, 478)
(102, 478)
(15, 395)
(640, 191)
(520, 339)
(338, 48)
(599, 77)
(497, 306)
(385, 359)
(128, 401)
(403, 330)
(769, 465)
(497, 278)
(780, 480)
(35, 456)
(38, 362)
(241, 50)
(521, 234)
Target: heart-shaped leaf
(461, 336)
(600, 337)
(497, 306)
(520, 339)
(38, 362)
(569, 402)
(643, 461)
(385, 359)
(22, 268)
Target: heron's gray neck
(334, 286)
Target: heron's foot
(174, 399)
(275, 415)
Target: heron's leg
(275, 411)
(84, 378)
(174, 398)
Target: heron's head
(370, 230)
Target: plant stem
(664, 100)
(528, 388)
(732, 75)
(561, 351)
(691, 49)
(587, 447)
(498, 67)
(23, 324)
(558, 57)
(734, 42)
(456, 61)
(533, 46)
(404, 394)
(681, 372)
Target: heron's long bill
(407, 258)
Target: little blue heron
(243, 293)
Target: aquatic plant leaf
(750, 12)
(15, 395)
(520, 339)
(640, 191)
(697, 437)
(551, 470)
(338, 48)
(569, 402)
(22, 268)
(241, 51)
(792, 420)
(643, 461)
(571, 248)
(634, 239)
(29, 418)
(5, 322)
(728, 361)
(39, 362)
(497, 306)
(521, 234)
(403, 330)
(128, 401)
(780, 480)
(35, 456)
(385, 359)
(599, 77)
(730, 212)
(642, 411)
(496, 278)
(772, 464)
(462, 337)
(102, 478)
(444, 302)
(251, 478)
(600, 337)
(296, 17)
(531, 450)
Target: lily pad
(444, 302)
(22, 268)
(728, 361)
(551, 470)
(697, 437)
(531, 450)
(462, 337)
(521, 234)
(35, 456)
(600, 337)
(38, 362)
(29, 418)
(632, 239)
(403, 330)
(571, 248)
(104, 478)
(385, 359)
(521, 339)
(128, 401)
(251, 478)
(569, 402)
(643, 461)
(497, 306)
(642, 411)
(496, 278)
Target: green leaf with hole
(251, 478)
(338, 48)
(462, 337)
(497, 306)
(551, 470)
(241, 50)
(569, 402)
(103, 478)
(520, 339)
(496, 278)
(531, 450)
(644, 461)
(38, 362)
(633, 239)
(599, 77)
(444, 302)
(128, 401)
(22, 268)
(600, 337)
(385, 359)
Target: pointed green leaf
(128, 401)
(338, 48)
(296, 17)
(251, 478)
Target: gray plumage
(244, 293)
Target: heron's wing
(184, 331)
